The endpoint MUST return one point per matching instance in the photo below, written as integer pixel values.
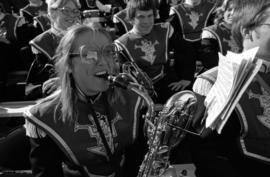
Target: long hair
(68, 95)
(248, 14)
(143, 5)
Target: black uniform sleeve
(40, 71)
(28, 18)
(25, 33)
(119, 29)
(164, 9)
(208, 53)
(184, 66)
(46, 158)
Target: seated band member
(122, 25)
(188, 18)
(148, 45)
(63, 14)
(87, 124)
(243, 147)
(33, 9)
(42, 22)
(218, 37)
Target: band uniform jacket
(46, 43)
(122, 25)
(150, 51)
(253, 113)
(222, 33)
(8, 26)
(80, 140)
(216, 38)
(29, 12)
(42, 68)
(43, 22)
(193, 19)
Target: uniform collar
(57, 31)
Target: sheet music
(235, 72)
(235, 100)
(220, 91)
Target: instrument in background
(93, 15)
(98, 16)
(164, 131)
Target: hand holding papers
(235, 72)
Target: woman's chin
(103, 86)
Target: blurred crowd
(22, 21)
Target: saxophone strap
(112, 160)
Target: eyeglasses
(264, 24)
(70, 12)
(108, 52)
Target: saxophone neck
(128, 82)
(148, 100)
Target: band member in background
(42, 22)
(163, 7)
(63, 14)
(102, 5)
(188, 19)
(33, 9)
(87, 124)
(218, 37)
(148, 44)
(36, 13)
(243, 147)
(13, 152)
(122, 25)
(9, 49)
(14, 6)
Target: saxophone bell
(165, 131)
(181, 108)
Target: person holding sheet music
(243, 147)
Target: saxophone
(130, 67)
(165, 130)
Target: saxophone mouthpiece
(119, 80)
